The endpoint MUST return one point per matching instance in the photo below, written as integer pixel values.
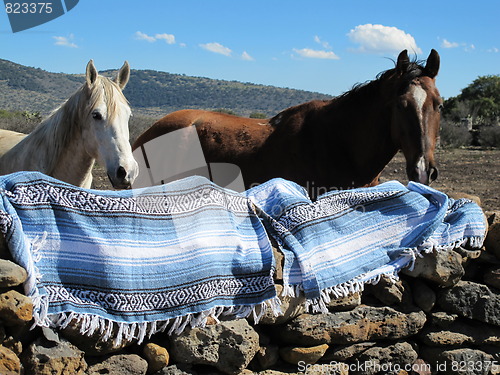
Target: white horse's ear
(123, 75)
(91, 74)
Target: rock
(229, 346)
(386, 360)
(461, 332)
(175, 370)
(443, 319)
(11, 274)
(94, 344)
(15, 308)
(443, 267)
(364, 323)
(471, 300)
(326, 368)
(452, 361)
(44, 357)
(310, 355)
(267, 356)
(120, 364)
(9, 362)
(389, 292)
(344, 303)
(290, 308)
(492, 277)
(423, 296)
(492, 241)
(156, 356)
(347, 352)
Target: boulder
(229, 346)
(423, 296)
(267, 356)
(461, 332)
(347, 352)
(15, 308)
(443, 267)
(364, 323)
(348, 302)
(386, 359)
(11, 274)
(458, 361)
(309, 355)
(492, 277)
(9, 362)
(471, 300)
(120, 364)
(390, 292)
(156, 356)
(290, 308)
(45, 357)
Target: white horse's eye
(96, 115)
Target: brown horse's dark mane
(360, 92)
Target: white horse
(92, 124)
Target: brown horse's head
(416, 115)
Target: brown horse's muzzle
(423, 173)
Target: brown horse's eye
(440, 107)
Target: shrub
(454, 135)
(489, 136)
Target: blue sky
(322, 46)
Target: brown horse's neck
(358, 135)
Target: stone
(442, 319)
(15, 308)
(175, 370)
(45, 357)
(309, 355)
(326, 368)
(386, 359)
(229, 346)
(120, 364)
(492, 241)
(471, 300)
(461, 332)
(364, 323)
(290, 308)
(267, 356)
(423, 296)
(346, 303)
(492, 277)
(346, 352)
(388, 291)
(443, 267)
(454, 361)
(9, 362)
(11, 274)
(156, 356)
(94, 344)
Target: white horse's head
(105, 126)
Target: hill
(149, 92)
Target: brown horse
(324, 145)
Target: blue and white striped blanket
(335, 245)
(171, 255)
(149, 258)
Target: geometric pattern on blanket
(141, 258)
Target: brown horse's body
(322, 145)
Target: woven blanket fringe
(320, 304)
(119, 331)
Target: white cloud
(168, 38)
(447, 44)
(142, 36)
(245, 56)
(217, 48)
(325, 44)
(65, 41)
(316, 54)
(493, 50)
(382, 39)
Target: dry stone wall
(443, 317)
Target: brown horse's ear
(123, 75)
(91, 74)
(432, 65)
(403, 62)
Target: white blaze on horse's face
(108, 136)
(420, 96)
